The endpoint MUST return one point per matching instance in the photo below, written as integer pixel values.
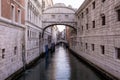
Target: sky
(60, 27)
(73, 3)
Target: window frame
(13, 12)
(15, 50)
(116, 52)
(93, 5)
(103, 1)
(102, 49)
(103, 20)
(19, 16)
(82, 15)
(87, 10)
(53, 16)
(93, 47)
(82, 28)
(87, 27)
(118, 15)
(93, 24)
(66, 16)
(3, 53)
(86, 46)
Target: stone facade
(54, 34)
(48, 32)
(59, 14)
(12, 40)
(98, 34)
(97, 37)
(33, 31)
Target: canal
(61, 65)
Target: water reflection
(60, 66)
(80, 71)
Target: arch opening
(66, 25)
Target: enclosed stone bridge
(59, 14)
(65, 42)
(62, 41)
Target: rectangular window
(118, 14)
(66, 16)
(117, 53)
(93, 24)
(93, 5)
(28, 33)
(103, 0)
(87, 26)
(87, 11)
(53, 16)
(82, 28)
(103, 20)
(82, 15)
(12, 13)
(19, 16)
(93, 47)
(3, 53)
(86, 45)
(15, 50)
(102, 49)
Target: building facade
(33, 31)
(54, 34)
(47, 38)
(12, 40)
(21, 34)
(98, 34)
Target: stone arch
(57, 24)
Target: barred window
(118, 14)
(103, 20)
(93, 5)
(102, 49)
(93, 24)
(117, 52)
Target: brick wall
(6, 9)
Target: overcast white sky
(73, 3)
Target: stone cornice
(4, 20)
(60, 7)
(34, 24)
(85, 3)
(19, 4)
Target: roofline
(85, 3)
(60, 7)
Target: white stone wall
(54, 34)
(33, 30)
(10, 37)
(33, 43)
(59, 15)
(107, 35)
